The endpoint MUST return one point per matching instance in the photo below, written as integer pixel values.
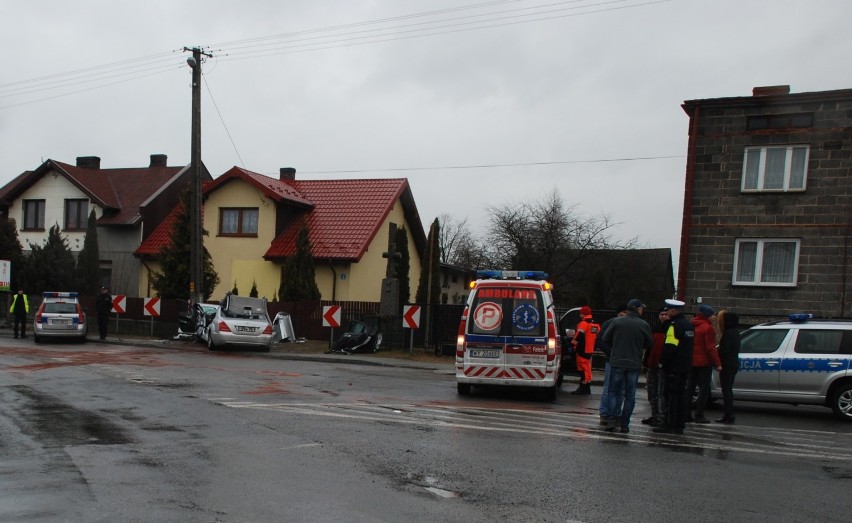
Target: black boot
(583, 389)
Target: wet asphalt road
(110, 432)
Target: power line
(234, 145)
(451, 24)
(497, 165)
(294, 46)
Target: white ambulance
(508, 333)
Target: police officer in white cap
(676, 362)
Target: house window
(766, 262)
(775, 168)
(238, 222)
(76, 214)
(33, 215)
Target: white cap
(674, 304)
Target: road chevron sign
(331, 316)
(119, 303)
(411, 316)
(151, 307)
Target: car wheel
(463, 388)
(378, 343)
(210, 344)
(841, 402)
(37, 339)
(550, 393)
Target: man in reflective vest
(19, 309)
(676, 362)
(584, 347)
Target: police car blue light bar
(60, 294)
(800, 317)
(511, 275)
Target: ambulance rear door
(506, 341)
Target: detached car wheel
(841, 402)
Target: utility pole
(196, 243)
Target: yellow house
(253, 220)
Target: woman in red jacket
(704, 359)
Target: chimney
(158, 160)
(89, 162)
(287, 173)
(771, 90)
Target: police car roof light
(800, 317)
(60, 294)
(511, 275)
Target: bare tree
(546, 235)
(458, 246)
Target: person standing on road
(20, 308)
(654, 378)
(603, 408)
(729, 354)
(704, 359)
(676, 361)
(584, 346)
(103, 306)
(629, 337)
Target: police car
(508, 334)
(60, 315)
(799, 361)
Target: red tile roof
(343, 216)
(346, 216)
(120, 192)
(161, 237)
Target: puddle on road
(53, 422)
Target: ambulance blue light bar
(60, 294)
(511, 275)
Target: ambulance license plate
(484, 353)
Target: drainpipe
(683, 265)
(844, 275)
(333, 282)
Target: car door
(761, 352)
(814, 358)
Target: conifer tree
(50, 266)
(403, 266)
(88, 260)
(173, 279)
(430, 276)
(298, 273)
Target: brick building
(768, 203)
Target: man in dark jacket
(103, 306)
(729, 353)
(676, 362)
(629, 338)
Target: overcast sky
(478, 103)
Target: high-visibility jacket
(15, 301)
(585, 337)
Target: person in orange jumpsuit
(584, 346)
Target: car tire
(463, 389)
(210, 344)
(550, 393)
(37, 339)
(841, 402)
